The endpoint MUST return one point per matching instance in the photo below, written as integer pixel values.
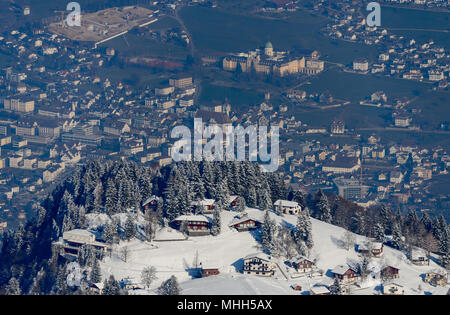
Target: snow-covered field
(226, 251)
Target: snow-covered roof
(191, 217)
(286, 203)
(169, 234)
(152, 198)
(204, 202)
(341, 269)
(320, 290)
(261, 256)
(299, 259)
(232, 198)
(417, 253)
(241, 219)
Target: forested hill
(112, 188)
(28, 264)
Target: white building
(287, 207)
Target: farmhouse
(259, 264)
(436, 278)
(193, 225)
(203, 206)
(375, 248)
(319, 290)
(392, 288)
(390, 272)
(287, 207)
(209, 270)
(345, 274)
(418, 257)
(302, 264)
(244, 223)
(150, 204)
(72, 241)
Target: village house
(345, 274)
(203, 206)
(150, 204)
(259, 264)
(389, 273)
(96, 288)
(287, 207)
(374, 248)
(72, 241)
(319, 290)
(392, 288)
(209, 270)
(436, 278)
(244, 222)
(302, 264)
(418, 257)
(192, 225)
(235, 201)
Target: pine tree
(13, 287)
(397, 240)
(216, 223)
(323, 208)
(169, 287)
(267, 233)
(303, 231)
(96, 274)
(130, 228)
(111, 286)
(335, 288)
(378, 233)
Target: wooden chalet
(375, 249)
(193, 225)
(302, 264)
(436, 278)
(287, 207)
(392, 288)
(259, 265)
(345, 274)
(209, 270)
(390, 272)
(203, 206)
(419, 257)
(151, 204)
(244, 223)
(233, 201)
(319, 290)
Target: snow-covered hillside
(227, 250)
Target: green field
(354, 87)
(219, 31)
(237, 97)
(419, 21)
(132, 45)
(132, 75)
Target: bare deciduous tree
(348, 239)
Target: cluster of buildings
(267, 61)
(402, 57)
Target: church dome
(269, 45)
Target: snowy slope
(226, 250)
